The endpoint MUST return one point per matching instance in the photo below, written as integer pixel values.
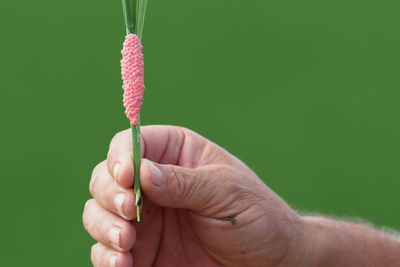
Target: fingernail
(113, 261)
(113, 235)
(157, 177)
(119, 200)
(117, 170)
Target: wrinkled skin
(205, 209)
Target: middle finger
(107, 228)
(110, 195)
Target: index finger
(161, 144)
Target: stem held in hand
(132, 75)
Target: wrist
(326, 242)
(301, 248)
(313, 244)
(321, 241)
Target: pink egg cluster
(132, 70)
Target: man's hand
(202, 207)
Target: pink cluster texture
(132, 70)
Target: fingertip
(153, 172)
(152, 181)
(116, 170)
(128, 237)
(124, 204)
(146, 173)
(124, 260)
(122, 171)
(102, 255)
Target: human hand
(202, 207)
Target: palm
(168, 237)
(180, 237)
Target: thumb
(177, 187)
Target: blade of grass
(141, 14)
(129, 9)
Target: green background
(305, 92)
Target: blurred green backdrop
(305, 92)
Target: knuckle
(93, 252)
(229, 178)
(185, 130)
(184, 183)
(88, 203)
(110, 156)
(190, 136)
(118, 136)
(238, 184)
(92, 185)
(97, 168)
(85, 217)
(93, 179)
(180, 184)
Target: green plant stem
(136, 165)
(134, 13)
